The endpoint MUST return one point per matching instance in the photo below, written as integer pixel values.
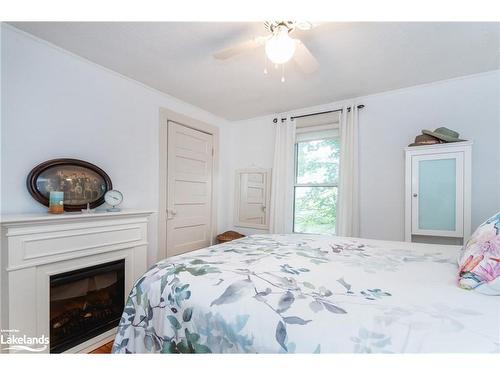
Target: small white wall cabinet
(438, 193)
(252, 192)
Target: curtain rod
(275, 120)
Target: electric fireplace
(85, 303)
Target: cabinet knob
(415, 195)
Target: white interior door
(189, 189)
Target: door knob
(171, 213)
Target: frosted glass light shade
(280, 48)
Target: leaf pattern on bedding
(282, 294)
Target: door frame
(167, 115)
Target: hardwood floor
(105, 349)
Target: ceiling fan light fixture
(280, 47)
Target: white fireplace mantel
(36, 246)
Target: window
(316, 178)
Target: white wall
(56, 104)
(468, 105)
(388, 123)
(244, 144)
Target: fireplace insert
(85, 303)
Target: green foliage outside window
(316, 204)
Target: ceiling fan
(279, 46)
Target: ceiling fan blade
(304, 58)
(305, 25)
(240, 48)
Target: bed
(308, 294)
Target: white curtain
(348, 193)
(281, 210)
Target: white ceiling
(356, 59)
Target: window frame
(296, 185)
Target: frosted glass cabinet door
(437, 194)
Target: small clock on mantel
(114, 198)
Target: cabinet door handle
(415, 195)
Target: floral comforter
(308, 294)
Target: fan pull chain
(282, 72)
(265, 63)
